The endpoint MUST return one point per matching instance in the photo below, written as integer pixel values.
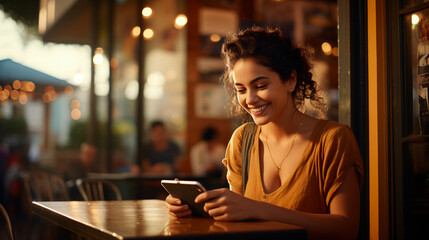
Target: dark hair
(157, 123)
(209, 133)
(272, 49)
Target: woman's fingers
(179, 210)
(205, 196)
(180, 214)
(175, 208)
(172, 200)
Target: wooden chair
(43, 186)
(94, 189)
(8, 224)
(48, 186)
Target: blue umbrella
(11, 71)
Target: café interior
(159, 60)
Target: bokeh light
(76, 114)
(68, 90)
(415, 19)
(136, 31)
(335, 51)
(75, 104)
(181, 21)
(114, 63)
(215, 37)
(326, 48)
(98, 56)
(23, 99)
(14, 95)
(97, 59)
(16, 84)
(148, 33)
(147, 12)
(78, 78)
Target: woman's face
(261, 92)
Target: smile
(259, 109)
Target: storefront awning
(11, 71)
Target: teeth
(259, 108)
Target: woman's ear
(292, 81)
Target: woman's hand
(175, 207)
(225, 205)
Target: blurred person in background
(12, 180)
(207, 155)
(160, 154)
(79, 168)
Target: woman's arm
(341, 223)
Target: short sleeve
(341, 152)
(232, 159)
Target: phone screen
(186, 191)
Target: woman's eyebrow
(253, 81)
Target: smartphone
(186, 191)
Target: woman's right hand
(176, 209)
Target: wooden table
(149, 219)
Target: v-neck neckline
(298, 167)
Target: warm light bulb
(415, 19)
(215, 37)
(326, 48)
(76, 114)
(136, 31)
(148, 33)
(75, 104)
(181, 21)
(147, 12)
(23, 99)
(97, 59)
(16, 84)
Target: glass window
(125, 88)
(416, 46)
(165, 67)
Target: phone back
(187, 193)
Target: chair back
(8, 224)
(44, 186)
(97, 189)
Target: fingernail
(178, 202)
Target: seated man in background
(207, 155)
(161, 153)
(79, 168)
(86, 163)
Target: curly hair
(272, 49)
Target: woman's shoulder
(238, 132)
(329, 129)
(237, 135)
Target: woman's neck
(285, 126)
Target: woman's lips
(258, 110)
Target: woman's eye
(241, 90)
(261, 86)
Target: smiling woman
(302, 170)
(281, 57)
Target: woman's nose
(251, 97)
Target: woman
(303, 171)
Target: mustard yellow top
(332, 150)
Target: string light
(181, 21)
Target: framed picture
(210, 101)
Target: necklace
(279, 167)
